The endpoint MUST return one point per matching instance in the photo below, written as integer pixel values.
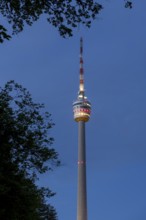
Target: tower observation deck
(81, 107)
(81, 110)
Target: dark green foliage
(47, 212)
(24, 152)
(128, 4)
(20, 198)
(62, 14)
(3, 34)
(65, 15)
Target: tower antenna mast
(81, 84)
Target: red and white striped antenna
(81, 85)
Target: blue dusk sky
(115, 82)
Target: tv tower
(82, 110)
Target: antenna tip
(81, 45)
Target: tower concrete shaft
(82, 194)
(82, 111)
